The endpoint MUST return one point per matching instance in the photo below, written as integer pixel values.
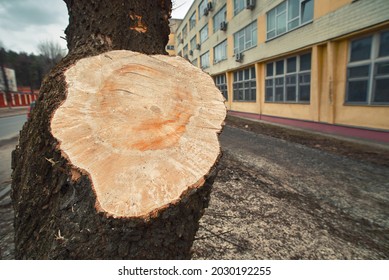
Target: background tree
(56, 211)
(51, 52)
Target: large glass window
(192, 21)
(220, 51)
(204, 34)
(221, 84)
(202, 7)
(204, 60)
(244, 85)
(245, 38)
(239, 5)
(219, 18)
(289, 80)
(368, 70)
(288, 15)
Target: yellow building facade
(171, 45)
(295, 61)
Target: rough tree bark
(57, 213)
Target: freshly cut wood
(118, 158)
(143, 128)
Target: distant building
(317, 63)
(170, 47)
(11, 78)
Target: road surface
(10, 126)
(274, 199)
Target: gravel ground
(282, 194)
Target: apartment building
(322, 64)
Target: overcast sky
(25, 23)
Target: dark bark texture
(55, 214)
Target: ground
(286, 194)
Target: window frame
(194, 39)
(195, 62)
(201, 7)
(202, 40)
(239, 84)
(372, 63)
(185, 31)
(273, 81)
(241, 6)
(192, 21)
(223, 18)
(221, 84)
(185, 50)
(225, 52)
(287, 20)
(242, 34)
(208, 60)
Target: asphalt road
(274, 199)
(10, 126)
(9, 130)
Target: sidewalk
(13, 111)
(308, 131)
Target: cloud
(20, 14)
(25, 23)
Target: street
(10, 126)
(275, 199)
(9, 131)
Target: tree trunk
(118, 158)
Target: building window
(193, 43)
(170, 47)
(179, 38)
(221, 84)
(184, 31)
(219, 18)
(194, 62)
(245, 38)
(289, 80)
(239, 5)
(185, 50)
(202, 8)
(204, 60)
(244, 85)
(204, 34)
(192, 21)
(368, 70)
(288, 15)
(220, 52)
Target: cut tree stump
(135, 153)
(144, 128)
